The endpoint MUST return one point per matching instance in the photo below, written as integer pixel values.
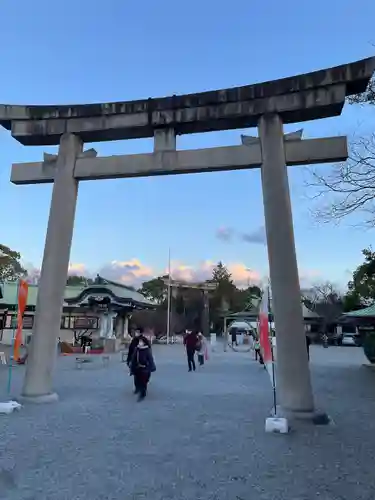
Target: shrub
(369, 346)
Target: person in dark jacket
(191, 342)
(233, 334)
(133, 344)
(132, 347)
(141, 366)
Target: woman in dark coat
(133, 344)
(141, 366)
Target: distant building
(101, 310)
(311, 319)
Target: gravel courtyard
(197, 436)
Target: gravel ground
(197, 436)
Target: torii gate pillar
(39, 368)
(293, 374)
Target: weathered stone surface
(304, 97)
(199, 436)
(298, 152)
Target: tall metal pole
(169, 297)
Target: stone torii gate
(205, 288)
(267, 106)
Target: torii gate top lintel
(204, 286)
(314, 95)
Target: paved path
(197, 436)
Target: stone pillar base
(314, 416)
(112, 345)
(45, 398)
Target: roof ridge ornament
(51, 157)
(250, 140)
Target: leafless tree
(326, 301)
(324, 292)
(350, 186)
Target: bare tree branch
(324, 292)
(325, 301)
(368, 97)
(350, 187)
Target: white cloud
(133, 272)
(130, 272)
(241, 274)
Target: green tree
(221, 275)
(155, 289)
(246, 299)
(361, 289)
(223, 298)
(10, 266)
(79, 280)
(225, 288)
(351, 301)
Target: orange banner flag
(23, 290)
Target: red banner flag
(23, 290)
(264, 335)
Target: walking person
(201, 348)
(258, 353)
(234, 336)
(308, 343)
(132, 348)
(325, 340)
(141, 366)
(191, 342)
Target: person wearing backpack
(141, 366)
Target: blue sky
(78, 52)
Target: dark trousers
(190, 357)
(201, 359)
(258, 355)
(141, 380)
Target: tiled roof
(368, 312)
(123, 292)
(254, 311)
(308, 314)
(10, 293)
